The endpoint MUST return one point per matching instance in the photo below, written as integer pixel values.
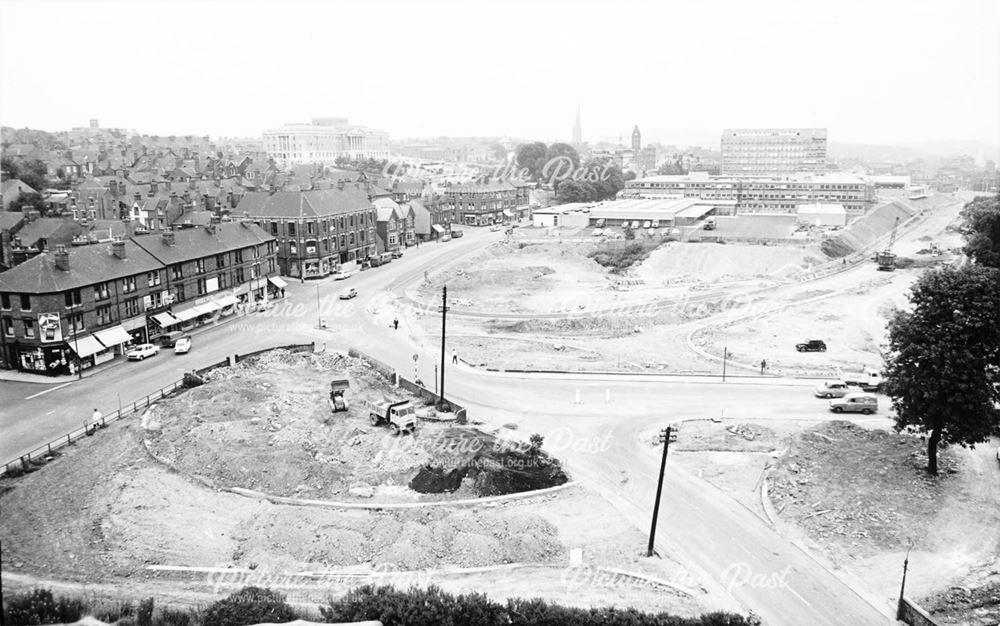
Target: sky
(872, 71)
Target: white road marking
(42, 393)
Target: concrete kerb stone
(332, 504)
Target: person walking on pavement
(454, 356)
(395, 323)
(95, 418)
(763, 365)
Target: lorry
(337, 388)
(867, 379)
(400, 415)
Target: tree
(23, 199)
(33, 173)
(560, 150)
(498, 151)
(981, 219)
(942, 360)
(531, 156)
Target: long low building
(634, 213)
(761, 195)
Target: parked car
(813, 345)
(456, 233)
(446, 237)
(341, 275)
(494, 228)
(597, 232)
(347, 294)
(855, 403)
(832, 389)
(182, 345)
(397, 254)
(141, 351)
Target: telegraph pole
(725, 357)
(444, 314)
(665, 436)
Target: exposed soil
(265, 425)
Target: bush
(144, 614)
(171, 617)
(39, 607)
(192, 379)
(431, 606)
(250, 605)
(113, 612)
(620, 259)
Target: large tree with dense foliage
(532, 156)
(33, 173)
(981, 219)
(943, 358)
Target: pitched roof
(87, 265)
(45, 228)
(16, 183)
(386, 208)
(10, 219)
(194, 243)
(304, 204)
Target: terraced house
(78, 307)
(485, 203)
(317, 231)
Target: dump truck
(400, 416)
(337, 388)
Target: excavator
(337, 388)
(886, 259)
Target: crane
(887, 259)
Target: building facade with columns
(323, 140)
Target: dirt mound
(864, 488)
(707, 262)
(865, 230)
(969, 605)
(487, 466)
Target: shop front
(47, 360)
(89, 350)
(114, 339)
(277, 287)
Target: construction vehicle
(337, 388)
(401, 416)
(886, 259)
(867, 379)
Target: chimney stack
(62, 258)
(33, 215)
(168, 237)
(118, 248)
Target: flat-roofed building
(822, 214)
(760, 195)
(773, 151)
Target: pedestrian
(95, 418)
(454, 356)
(763, 365)
(395, 323)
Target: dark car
(813, 345)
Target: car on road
(347, 294)
(446, 237)
(141, 351)
(397, 254)
(456, 233)
(855, 403)
(832, 389)
(341, 275)
(182, 345)
(494, 228)
(813, 345)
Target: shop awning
(438, 228)
(508, 213)
(165, 319)
(187, 314)
(85, 346)
(114, 336)
(242, 289)
(225, 301)
(207, 307)
(277, 282)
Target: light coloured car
(446, 237)
(182, 345)
(494, 228)
(141, 351)
(855, 403)
(341, 275)
(347, 294)
(832, 389)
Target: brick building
(317, 231)
(83, 306)
(482, 204)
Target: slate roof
(88, 265)
(421, 217)
(304, 204)
(45, 228)
(10, 219)
(16, 183)
(386, 208)
(194, 243)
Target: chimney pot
(118, 248)
(168, 237)
(62, 258)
